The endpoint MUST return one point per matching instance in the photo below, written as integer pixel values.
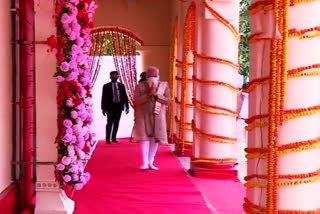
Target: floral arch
(123, 44)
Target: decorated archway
(184, 91)
(122, 44)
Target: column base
(53, 202)
(172, 139)
(183, 153)
(183, 150)
(220, 171)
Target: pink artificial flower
(67, 138)
(73, 64)
(76, 129)
(66, 178)
(64, 66)
(87, 175)
(76, 27)
(74, 139)
(75, 177)
(81, 144)
(76, 2)
(78, 186)
(66, 160)
(71, 151)
(75, 49)
(69, 103)
(69, 131)
(91, 8)
(74, 114)
(89, 119)
(86, 49)
(83, 179)
(67, 123)
(73, 35)
(72, 76)
(74, 168)
(60, 167)
(66, 19)
(60, 79)
(80, 41)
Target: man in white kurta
(151, 99)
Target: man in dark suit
(114, 100)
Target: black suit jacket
(107, 97)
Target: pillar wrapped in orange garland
(177, 77)
(215, 94)
(173, 83)
(284, 135)
(184, 145)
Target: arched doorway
(114, 48)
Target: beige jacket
(148, 125)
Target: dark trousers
(113, 120)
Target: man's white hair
(152, 69)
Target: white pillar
(216, 67)
(50, 199)
(283, 166)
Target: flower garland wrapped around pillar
(215, 93)
(184, 145)
(74, 19)
(283, 171)
(173, 83)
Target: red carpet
(117, 185)
(225, 196)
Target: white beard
(153, 81)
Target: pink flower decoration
(66, 160)
(78, 186)
(75, 177)
(66, 19)
(67, 123)
(67, 178)
(69, 103)
(67, 138)
(74, 114)
(64, 66)
(60, 167)
(60, 79)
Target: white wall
(99, 123)
(5, 94)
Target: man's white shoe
(152, 153)
(144, 167)
(145, 154)
(153, 167)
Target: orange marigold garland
(188, 45)
(173, 75)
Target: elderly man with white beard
(151, 99)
